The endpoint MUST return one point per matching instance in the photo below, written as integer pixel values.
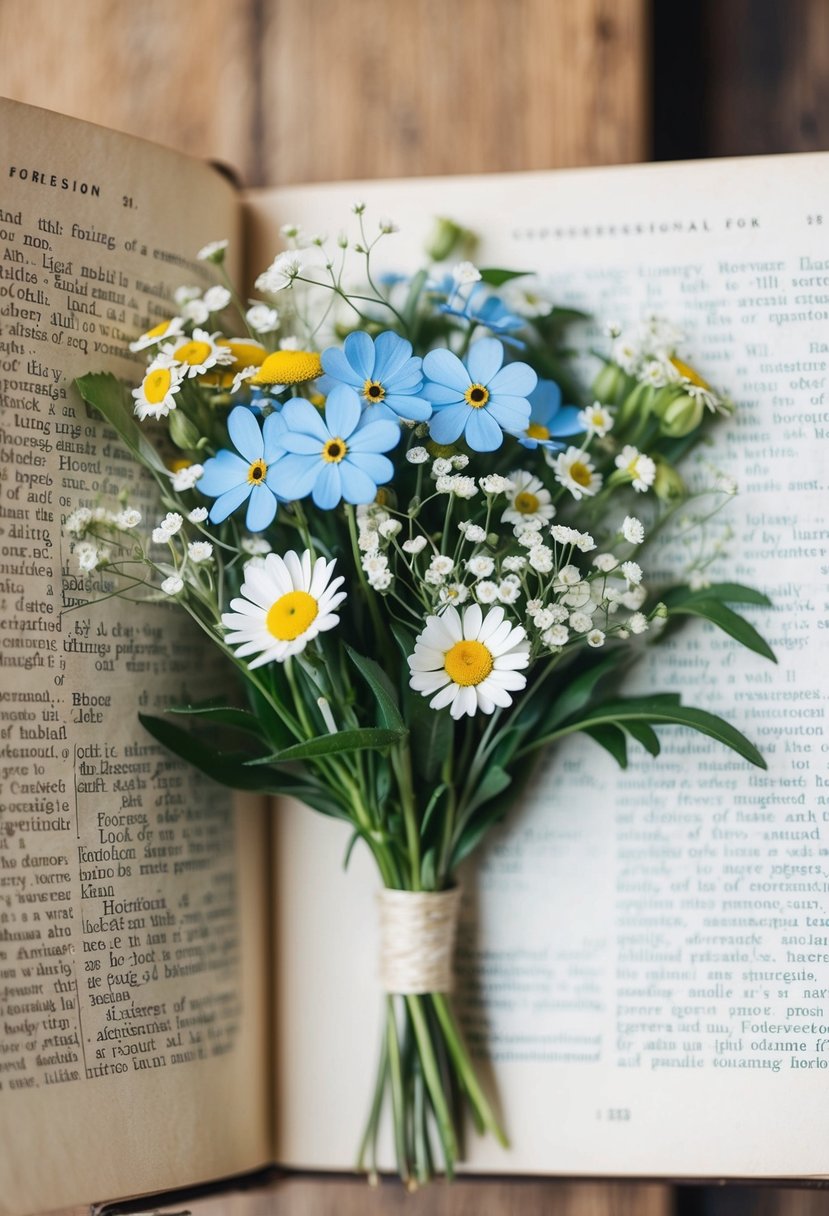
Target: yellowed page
(644, 955)
(132, 1000)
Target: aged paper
(132, 998)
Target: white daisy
(283, 605)
(640, 468)
(574, 470)
(155, 396)
(470, 662)
(197, 354)
(528, 499)
(596, 419)
(453, 593)
(159, 333)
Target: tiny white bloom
(632, 572)
(375, 563)
(416, 545)
(480, 566)
(596, 419)
(486, 592)
(290, 231)
(459, 460)
(186, 478)
(389, 528)
(698, 580)
(543, 619)
(387, 226)
(172, 585)
(474, 533)
(563, 535)
(441, 564)
(160, 536)
(634, 598)
(465, 272)
(633, 530)
(585, 543)
(290, 343)
(580, 621)
(627, 354)
(638, 623)
(541, 558)
(195, 310)
(200, 550)
(528, 499)
(171, 523)
(595, 638)
(213, 251)
(469, 662)
(534, 605)
(454, 593)
(508, 591)
(514, 563)
(417, 455)
(605, 562)
(574, 470)
(256, 546)
(558, 635)
(87, 555)
(494, 483)
(183, 295)
(657, 373)
(198, 515)
(262, 319)
(281, 273)
(128, 518)
(569, 576)
(441, 467)
(381, 580)
(639, 467)
(77, 522)
(216, 298)
(462, 487)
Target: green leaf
(579, 692)
(112, 399)
(495, 780)
(432, 737)
(427, 870)
(369, 737)
(383, 689)
(184, 433)
(644, 734)
(430, 807)
(612, 740)
(730, 622)
(495, 277)
(224, 715)
(475, 831)
(730, 593)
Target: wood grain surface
(310, 90)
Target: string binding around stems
(417, 940)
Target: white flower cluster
(648, 352)
(92, 528)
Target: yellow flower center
(690, 374)
(467, 663)
(256, 472)
(291, 615)
(373, 390)
(157, 385)
(175, 466)
(580, 473)
(289, 367)
(476, 396)
(157, 330)
(245, 353)
(526, 503)
(536, 431)
(334, 451)
(193, 353)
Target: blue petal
(447, 424)
(300, 415)
(222, 472)
(407, 380)
(442, 367)
(442, 394)
(359, 351)
(512, 413)
(566, 421)
(374, 437)
(292, 476)
(301, 443)
(273, 429)
(261, 508)
(328, 489)
(483, 434)
(342, 409)
(379, 468)
(338, 368)
(357, 486)
(484, 359)
(545, 399)
(390, 353)
(246, 433)
(408, 407)
(228, 502)
(516, 380)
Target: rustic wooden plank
(385, 88)
(180, 74)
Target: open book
(187, 986)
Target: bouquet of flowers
(419, 538)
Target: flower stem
(397, 1093)
(465, 1069)
(431, 1074)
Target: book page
(644, 954)
(132, 1003)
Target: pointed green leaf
(730, 622)
(383, 689)
(369, 737)
(224, 715)
(579, 692)
(112, 399)
(495, 277)
(644, 734)
(612, 740)
(730, 593)
(493, 782)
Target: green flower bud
(681, 416)
(447, 238)
(183, 432)
(668, 485)
(660, 612)
(636, 405)
(609, 384)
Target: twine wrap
(417, 940)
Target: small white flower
(160, 536)
(281, 273)
(256, 546)
(368, 539)
(579, 596)
(183, 295)
(128, 518)
(213, 251)
(171, 523)
(186, 478)
(585, 543)
(657, 373)
(416, 545)
(389, 528)
(290, 231)
(634, 598)
(698, 580)
(381, 580)
(527, 538)
(198, 515)
(632, 572)
(441, 564)
(87, 555)
(580, 622)
(574, 470)
(77, 522)
(480, 566)
(469, 662)
(563, 535)
(605, 562)
(459, 460)
(290, 343)
(558, 635)
(494, 483)
(441, 467)
(533, 606)
(639, 467)
(638, 623)
(462, 487)
(262, 319)
(155, 396)
(508, 591)
(569, 576)
(216, 298)
(595, 638)
(387, 226)
(543, 619)
(200, 550)
(172, 585)
(474, 533)
(486, 592)
(195, 310)
(417, 455)
(633, 530)
(596, 419)
(627, 354)
(465, 272)
(541, 558)
(375, 563)
(454, 593)
(197, 354)
(514, 564)
(529, 500)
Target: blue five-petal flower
(336, 457)
(549, 419)
(233, 479)
(479, 399)
(383, 372)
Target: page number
(814, 219)
(615, 1114)
(127, 201)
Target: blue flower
(233, 479)
(549, 420)
(336, 458)
(484, 309)
(383, 372)
(480, 399)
